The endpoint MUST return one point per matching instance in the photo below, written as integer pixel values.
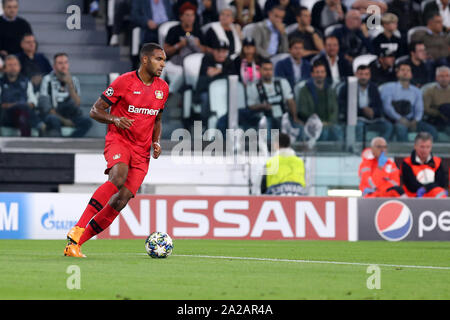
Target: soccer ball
(159, 245)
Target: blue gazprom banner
(39, 215)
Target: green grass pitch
(206, 269)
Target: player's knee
(118, 180)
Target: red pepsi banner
(404, 219)
(211, 217)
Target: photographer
(403, 105)
(59, 101)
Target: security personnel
(285, 172)
(379, 175)
(423, 174)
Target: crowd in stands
(294, 62)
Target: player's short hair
(148, 48)
(60, 54)
(284, 141)
(423, 136)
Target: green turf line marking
(314, 261)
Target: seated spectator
(369, 106)
(181, 40)
(34, 65)
(362, 5)
(268, 101)
(408, 13)
(317, 97)
(337, 68)
(435, 39)
(122, 8)
(424, 175)
(59, 100)
(149, 15)
(312, 38)
(378, 174)
(290, 6)
(326, 13)
(294, 68)
(442, 7)
(209, 13)
(12, 28)
(403, 105)
(214, 65)
(353, 36)
(246, 65)
(247, 11)
(17, 99)
(421, 68)
(382, 69)
(270, 35)
(387, 39)
(284, 174)
(436, 100)
(225, 30)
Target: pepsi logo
(393, 220)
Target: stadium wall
(50, 216)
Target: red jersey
(129, 97)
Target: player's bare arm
(157, 136)
(98, 113)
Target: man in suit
(149, 15)
(270, 35)
(337, 67)
(294, 68)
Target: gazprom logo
(150, 112)
(393, 220)
(49, 222)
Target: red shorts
(137, 165)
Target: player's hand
(156, 150)
(123, 123)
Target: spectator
(403, 104)
(382, 69)
(353, 36)
(378, 174)
(435, 40)
(369, 106)
(225, 30)
(209, 13)
(442, 7)
(214, 66)
(12, 28)
(327, 12)
(273, 98)
(436, 100)
(181, 40)
(312, 39)
(408, 13)
(285, 172)
(362, 5)
(420, 67)
(317, 97)
(34, 65)
(247, 11)
(60, 101)
(270, 35)
(337, 68)
(294, 68)
(424, 175)
(247, 64)
(149, 15)
(290, 6)
(122, 8)
(17, 98)
(388, 39)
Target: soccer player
(137, 101)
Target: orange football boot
(73, 250)
(74, 234)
